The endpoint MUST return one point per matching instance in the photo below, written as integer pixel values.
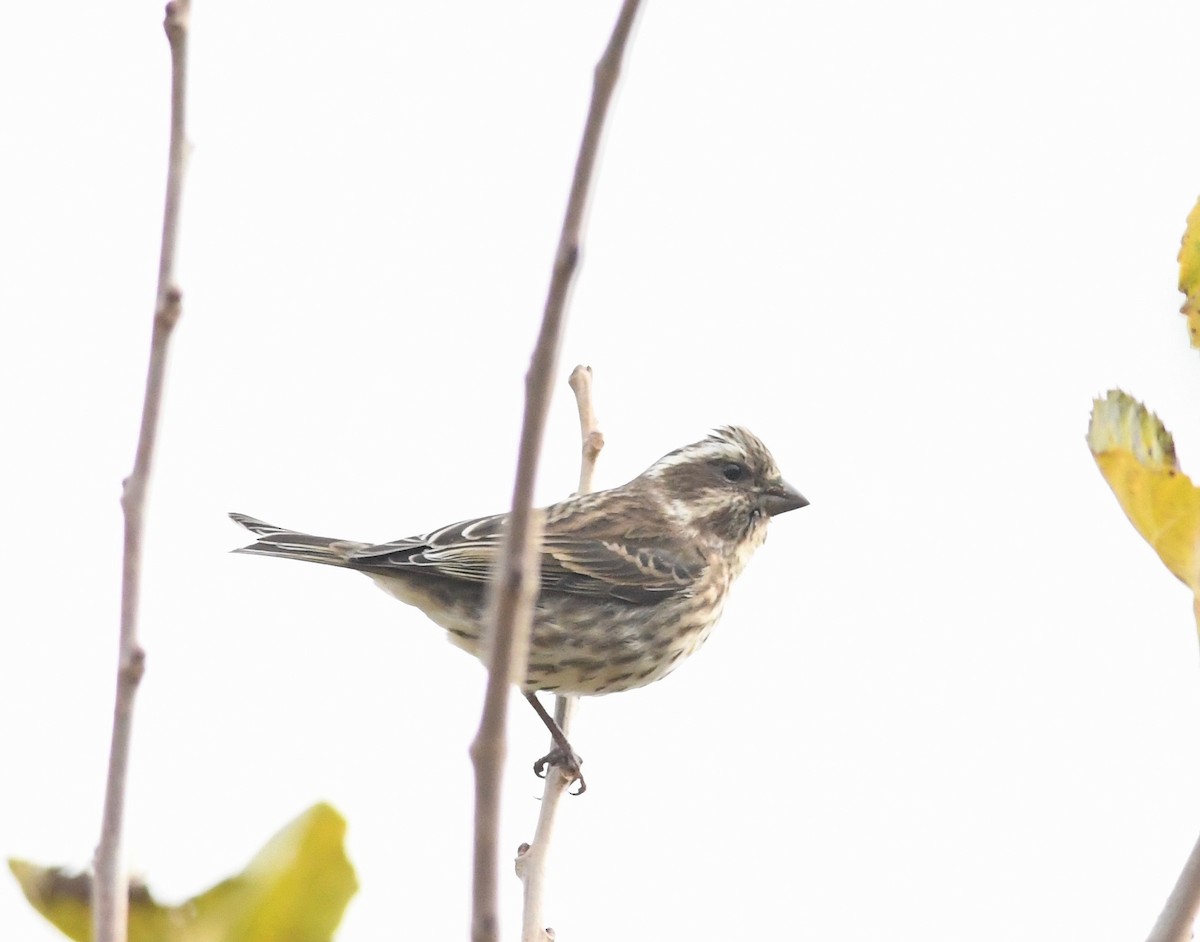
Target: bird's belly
(627, 647)
(459, 613)
(579, 646)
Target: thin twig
(513, 585)
(531, 858)
(589, 429)
(1176, 922)
(110, 886)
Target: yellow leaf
(1136, 455)
(1189, 274)
(65, 900)
(294, 890)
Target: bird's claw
(567, 763)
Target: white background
(904, 243)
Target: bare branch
(1178, 917)
(110, 886)
(531, 858)
(513, 585)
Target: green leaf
(294, 890)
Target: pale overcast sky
(906, 244)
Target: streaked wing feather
(630, 570)
(634, 570)
(465, 550)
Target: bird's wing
(639, 569)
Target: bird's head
(726, 486)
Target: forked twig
(531, 858)
(589, 429)
(513, 585)
(110, 884)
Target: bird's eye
(733, 471)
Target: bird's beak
(781, 497)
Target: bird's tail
(290, 544)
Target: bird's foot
(567, 762)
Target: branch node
(134, 667)
(175, 21)
(167, 315)
(592, 446)
(521, 860)
(567, 260)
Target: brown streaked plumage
(633, 578)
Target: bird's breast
(586, 648)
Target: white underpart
(462, 627)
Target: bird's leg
(562, 755)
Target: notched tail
(290, 544)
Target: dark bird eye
(733, 471)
